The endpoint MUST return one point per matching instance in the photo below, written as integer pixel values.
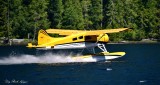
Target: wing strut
(102, 47)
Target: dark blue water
(140, 66)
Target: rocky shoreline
(26, 41)
(16, 42)
(143, 41)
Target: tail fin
(43, 37)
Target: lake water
(22, 66)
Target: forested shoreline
(23, 18)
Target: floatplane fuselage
(78, 39)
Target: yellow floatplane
(79, 39)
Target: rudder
(43, 37)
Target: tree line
(20, 18)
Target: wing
(62, 31)
(92, 32)
(107, 31)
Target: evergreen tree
(55, 13)
(111, 14)
(85, 10)
(124, 13)
(151, 19)
(4, 18)
(114, 18)
(27, 16)
(158, 16)
(72, 15)
(79, 15)
(18, 16)
(38, 17)
(96, 14)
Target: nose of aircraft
(103, 38)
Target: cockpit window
(88, 37)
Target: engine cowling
(103, 38)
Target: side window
(74, 39)
(80, 37)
